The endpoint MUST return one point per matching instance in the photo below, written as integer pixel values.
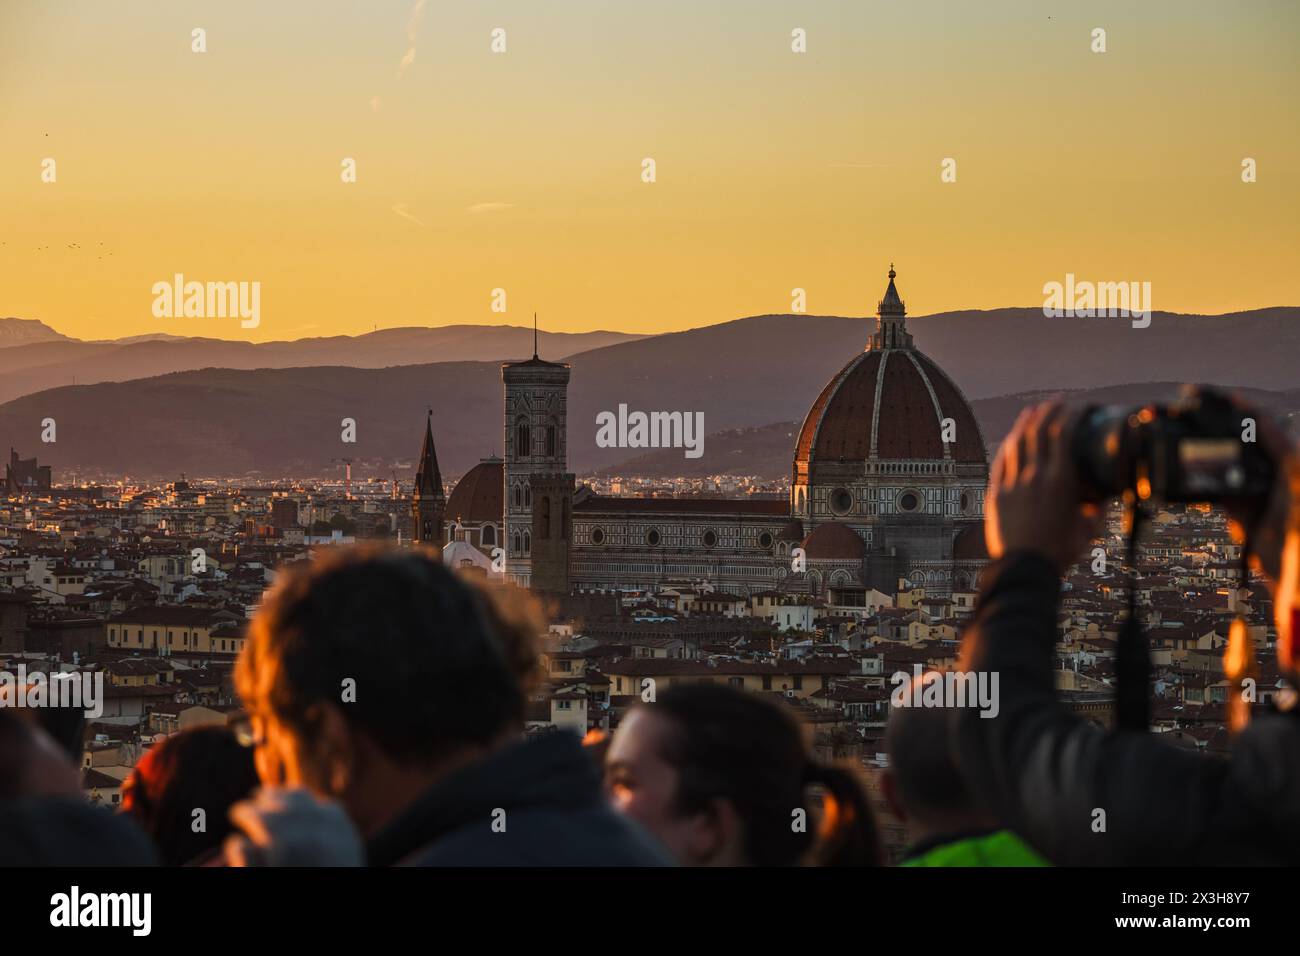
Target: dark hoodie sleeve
(1052, 776)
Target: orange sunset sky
(522, 170)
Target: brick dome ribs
(889, 403)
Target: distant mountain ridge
(15, 332)
(1257, 348)
(748, 373)
(35, 363)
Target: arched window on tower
(523, 438)
(528, 496)
(519, 497)
(552, 440)
(528, 543)
(488, 535)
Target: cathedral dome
(478, 496)
(889, 402)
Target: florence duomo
(887, 489)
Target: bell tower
(538, 485)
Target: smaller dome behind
(479, 495)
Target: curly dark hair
(438, 661)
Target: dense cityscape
(153, 586)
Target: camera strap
(1132, 662)
(1239, 664)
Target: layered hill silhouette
(15, 332)
(38, 358)
(744, 374)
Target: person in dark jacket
(1078, 793)
(382, 681)
(67, 831)
(44, 819)
(534, 802)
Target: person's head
(62, 720)
(66, 726)
(203, 768)
(923, 784)
(31, 762)
(369, 673)
(722, 777)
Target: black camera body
(1198, 449)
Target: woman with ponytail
(722, 777)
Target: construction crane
(347, 480)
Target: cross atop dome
(891, 327)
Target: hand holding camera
(1203, 448)
(1056, 469)
(1033, 503)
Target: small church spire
(428, 479)
(427, 499)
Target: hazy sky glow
(522, 170)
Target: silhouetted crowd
(385, 699)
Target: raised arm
(1078, 793)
